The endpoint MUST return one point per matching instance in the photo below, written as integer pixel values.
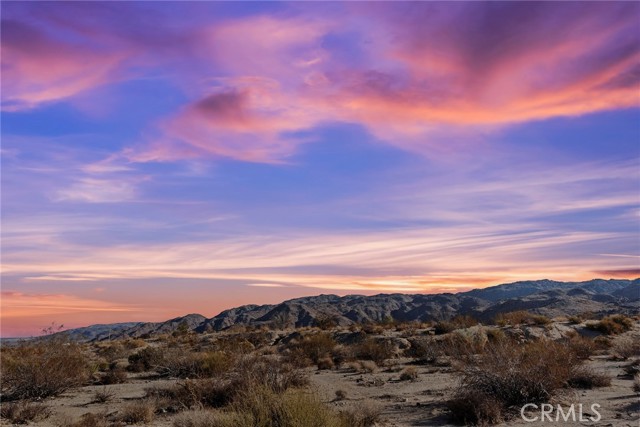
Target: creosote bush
(508, 375)
(612, 325)
(374, 349)
(40, 369)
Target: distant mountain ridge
(546, 297)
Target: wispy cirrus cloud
(98, 190)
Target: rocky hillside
(545, 297)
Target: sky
(163, 158)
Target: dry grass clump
(612, 325)
(409, 374)
(24, 412)
(274, 374)
(194, 394)
(587, 378)
(182, 364)
(458, 322)
(521, 317)
(366, 414)
(582, 347)
(115, 375)
(41, 369)
(176, 362)
(249, 373)
(475, 409)
(146, 359)
(507, 376)
(626, 347)
(103, 396)
(211, 418)
(364, 366)
(139, 412)
(326, 363)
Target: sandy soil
(403, 403)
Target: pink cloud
(39, 68)
(424, 75)
(413, 74)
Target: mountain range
(545, 297)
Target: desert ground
(387, 374)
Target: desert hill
(545, 297)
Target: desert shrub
(367, 366)
(371, 328)
(363, 366)
(366, 414)
(409, 374)
(341, 394)
(587, 378)
(193, 394)
(111, 351)
(444, 327)
(424, 350)
(495, 335)
(575, 320)
(626, 347)
(274, 374)
(465, 321)
(115, 375)
(296, 356)
(41, 369)
(182, 364)
(24, 412)
(475, 409)
(267, 408)
(372, 349)
(460, 345)
(341, 354)
(521, 318)
(103, 396)
(141, 411)
(146, 359)
(316, 346)
(325, 363)
(94, 420)
(208, 418)
(512, 376)
(612, 325)
(326, 322)
(602, 342)
(582, 347)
